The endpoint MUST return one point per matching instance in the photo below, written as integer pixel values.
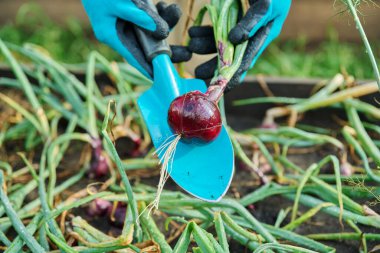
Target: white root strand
(166, 162)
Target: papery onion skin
(117, 218)
(99, 207)
(195, 115)
(98, 165)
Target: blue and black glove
(260, 26)
(113, 22)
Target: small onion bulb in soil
(98, 165)
(196, 114)
(117, 214)
(99, 207)
(115, 211)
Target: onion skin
(117, 218)
(195, 115)
(99, 207)
(346, 169)
(98, 166)
(269, 126)
(104, 208)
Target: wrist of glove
(113, 23)
(260, 26)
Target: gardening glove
(260, 26)
(113, 24)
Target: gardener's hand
(113, 21)
(260, 26)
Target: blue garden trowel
(202, 169)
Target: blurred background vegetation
(71, 41)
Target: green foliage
(70, 42)
(299, 58)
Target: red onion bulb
(195, 115)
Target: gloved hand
(113, 21)
(261, 25)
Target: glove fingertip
(201, 74)
(160, 6)
(171, 15)
(202, 45)
(238, 35)
(180, 54)
(162, 29)
(201, 31)
(193, 45)
(174, 9)
(207, 69)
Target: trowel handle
(151, 46)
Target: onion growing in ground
(114, 211)
(117, 214)
(196, 114)
(99, 207)
(99, 165)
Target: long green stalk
(252, 245)
(352, 7)
(21, 230)
(226, 203)
(337, 97)
(358, 148)
(364, 139)
(301, 184)
(306, 216)
(154, 232)
(43, 195)
(219, 227)
(27, 89)
(234, 226)
(60, 243)
(18, 242)
(4, 239)
(59, 189)
(124, 178)
(286, 248)
(55, 154)
(310, 201)
(344, 236)
(328, 190)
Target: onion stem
(360, 28)
(224, 16)
(363, 136)
(344, 236)
(124, 178)
(33, 245)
